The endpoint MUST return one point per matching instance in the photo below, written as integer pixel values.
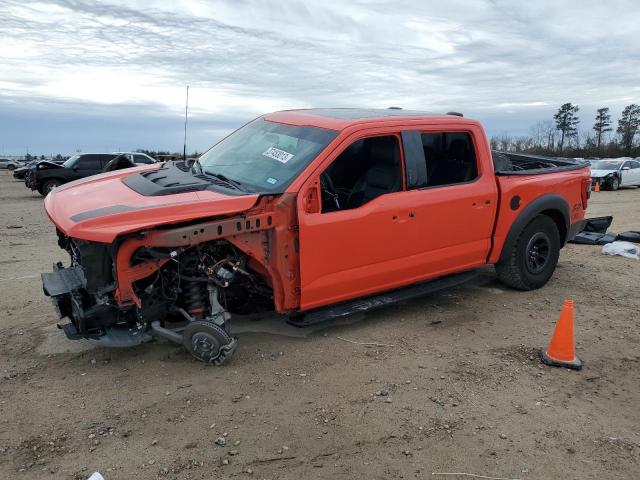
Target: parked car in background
(20, 172)
(45, 176)
(7, 164)
(614, 173)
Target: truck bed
(508, 163)
(521, 179)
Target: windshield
(70, 162)
(265, 156)
(605, 164)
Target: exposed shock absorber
(195, 298)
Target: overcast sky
(111, 75)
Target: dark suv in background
(45, 176)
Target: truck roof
(340, 118)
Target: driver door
(359, 249)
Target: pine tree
(567, 122)
(602, 125)
(628, 125)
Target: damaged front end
(180, 283)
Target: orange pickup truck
(314, 214)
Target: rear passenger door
(634, 170)
(451, 211)
(626, 174)
(87, 165)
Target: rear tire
(534, 256)
(48, 186)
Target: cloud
(502, 61)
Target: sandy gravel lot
(466, 392)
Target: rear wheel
(48, 186)
(534, 256)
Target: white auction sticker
(277, 154)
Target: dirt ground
(465, 391)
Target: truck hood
(601, 173)
(102, 207)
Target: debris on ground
(624, 249)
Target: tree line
(563, 136)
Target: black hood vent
(169, 179)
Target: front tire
(614, 184)
(48, 186)
(534, 256)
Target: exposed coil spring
(195, 298)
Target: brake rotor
(208, 342)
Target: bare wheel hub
(208, 342)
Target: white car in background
(8, 164)
(613, 173)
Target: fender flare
(545, 203)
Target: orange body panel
(529, 187)
(102, 208)
(399, 238)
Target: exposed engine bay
(188, 300)
(181, 282)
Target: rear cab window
(450, 158)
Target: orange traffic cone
(597, 189)
(561, 352)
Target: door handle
(403, 217)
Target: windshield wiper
(232, 183)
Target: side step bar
(380, 300)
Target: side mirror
(625, 168)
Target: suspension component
(195, 298)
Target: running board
(380, 300)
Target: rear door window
(450, 158)
(104, 159)
(88, 162)
(142, 159)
